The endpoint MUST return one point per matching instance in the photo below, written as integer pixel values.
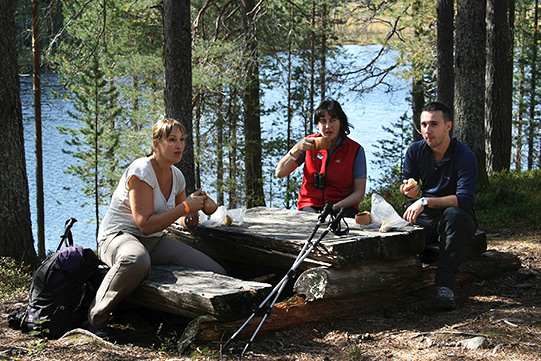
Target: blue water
(64, 199)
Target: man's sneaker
(445, 299)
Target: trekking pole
(67, 237)
(321, 219)
(333, 225)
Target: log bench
(362, 268)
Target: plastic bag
(384, 216)
(219, 218)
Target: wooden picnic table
(274, 237)
(343, 273)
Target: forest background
(205, 63)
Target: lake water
(64, 199)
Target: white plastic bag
(217, 219)
(384, 216)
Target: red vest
(338, 171)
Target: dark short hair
(437, 106)
(335, 111)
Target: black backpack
(62, 289)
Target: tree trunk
(417, 86)
(323, 55)
(417, 104)
(520, 115)
(15, 226)
(252, 122)
(220, 123)
(533, 91)
(445, 76)
(468, 125)
(36, 79)
(499, 83)
(232, 116)
(177, 58)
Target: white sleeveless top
(119, 215)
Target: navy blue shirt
(455, 174)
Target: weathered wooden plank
(299, 311)
(273, 237)
(191, 293)
(331, 283)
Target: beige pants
(129, 259)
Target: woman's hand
(307, 143)
(191, 220)
(196, 200)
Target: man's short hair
(437, 106)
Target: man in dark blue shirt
(447, 171)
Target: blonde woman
(150, 196)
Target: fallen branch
(450, 333)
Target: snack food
(228, 220)
(209, 206)
(412, 181)
(363, 218)
(322, 143)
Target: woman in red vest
(334, 171)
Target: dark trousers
(452, 228)
(349, 212)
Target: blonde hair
(163, 128)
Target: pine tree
(96, 143)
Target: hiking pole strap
(67, 237)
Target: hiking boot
(445, 299)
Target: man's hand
(413, 211)
(410, 190)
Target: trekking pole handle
(336, 221)
(326, 211)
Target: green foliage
(15, 278)
(511, 202)
(415, 39)
(96, 142)
(168, 341)
(388, 159)
(527, 99)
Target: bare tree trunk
(308, 120)
(220, 122)
(198, 103)
(36, 79)
(417, 90)
(177, 58)
(323, 56)
(520, 108)
(16, 231)
(533, 91)
(233, 197)
(470, 61)
(445, 49)
(417, 104)
(499, 83)
(289, 97)
(252, 121)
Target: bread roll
(322, 143)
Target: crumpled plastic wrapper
(384, 216)
(223, 217)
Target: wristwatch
(424, 202)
